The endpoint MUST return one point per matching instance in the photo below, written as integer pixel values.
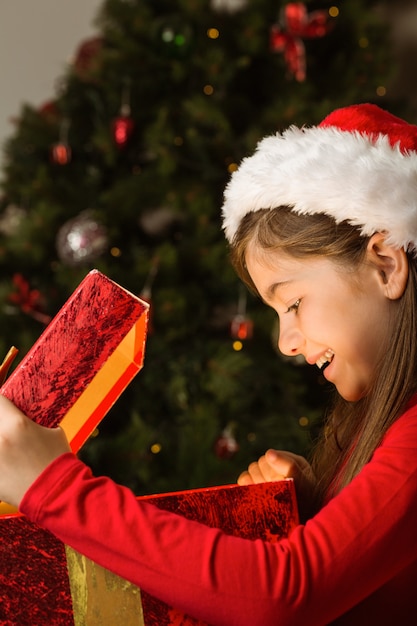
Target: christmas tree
(123, 170)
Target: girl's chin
(350, 395)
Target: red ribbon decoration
(28, 300)
(296, 24)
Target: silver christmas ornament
(81, 240)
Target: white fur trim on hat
(348, 175)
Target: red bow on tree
(28, 300)
(87, 57)
(296, 24)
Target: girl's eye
(294, 307)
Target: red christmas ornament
(61, 153)
(297, 24)
(241, 328)
(122, 129)
(123, 124)
(226, 446)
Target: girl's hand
(278, 465)
(26, 449)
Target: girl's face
(329, 316)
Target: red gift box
(43, 582)
(72, 376)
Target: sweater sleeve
(317, 574)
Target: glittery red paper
(265, 511)
(72, 349)
(33, 576)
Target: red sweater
(354, 563)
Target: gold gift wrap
(99, 596)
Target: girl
(322, 224)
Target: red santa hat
(359, 164)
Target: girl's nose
(290, 339)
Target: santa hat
(359, 164)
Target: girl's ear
(391, 264)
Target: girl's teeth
(326, 358)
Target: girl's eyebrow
(270, 292)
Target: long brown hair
(352, 430)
